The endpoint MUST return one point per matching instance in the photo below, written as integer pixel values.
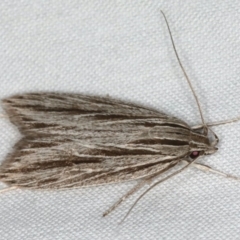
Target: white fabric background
(122, 48)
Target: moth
(74, 140)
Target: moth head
(203, 142)
(207, 151)
(210, 150)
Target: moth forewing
(112, 142)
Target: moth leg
(212, 124)
(125, 196)
(206, 168)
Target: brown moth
(75, 140)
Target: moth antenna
(123, 198)
(184, 72)
(7, 189)
(155, 184)
(136, 188)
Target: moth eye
(194, 154)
